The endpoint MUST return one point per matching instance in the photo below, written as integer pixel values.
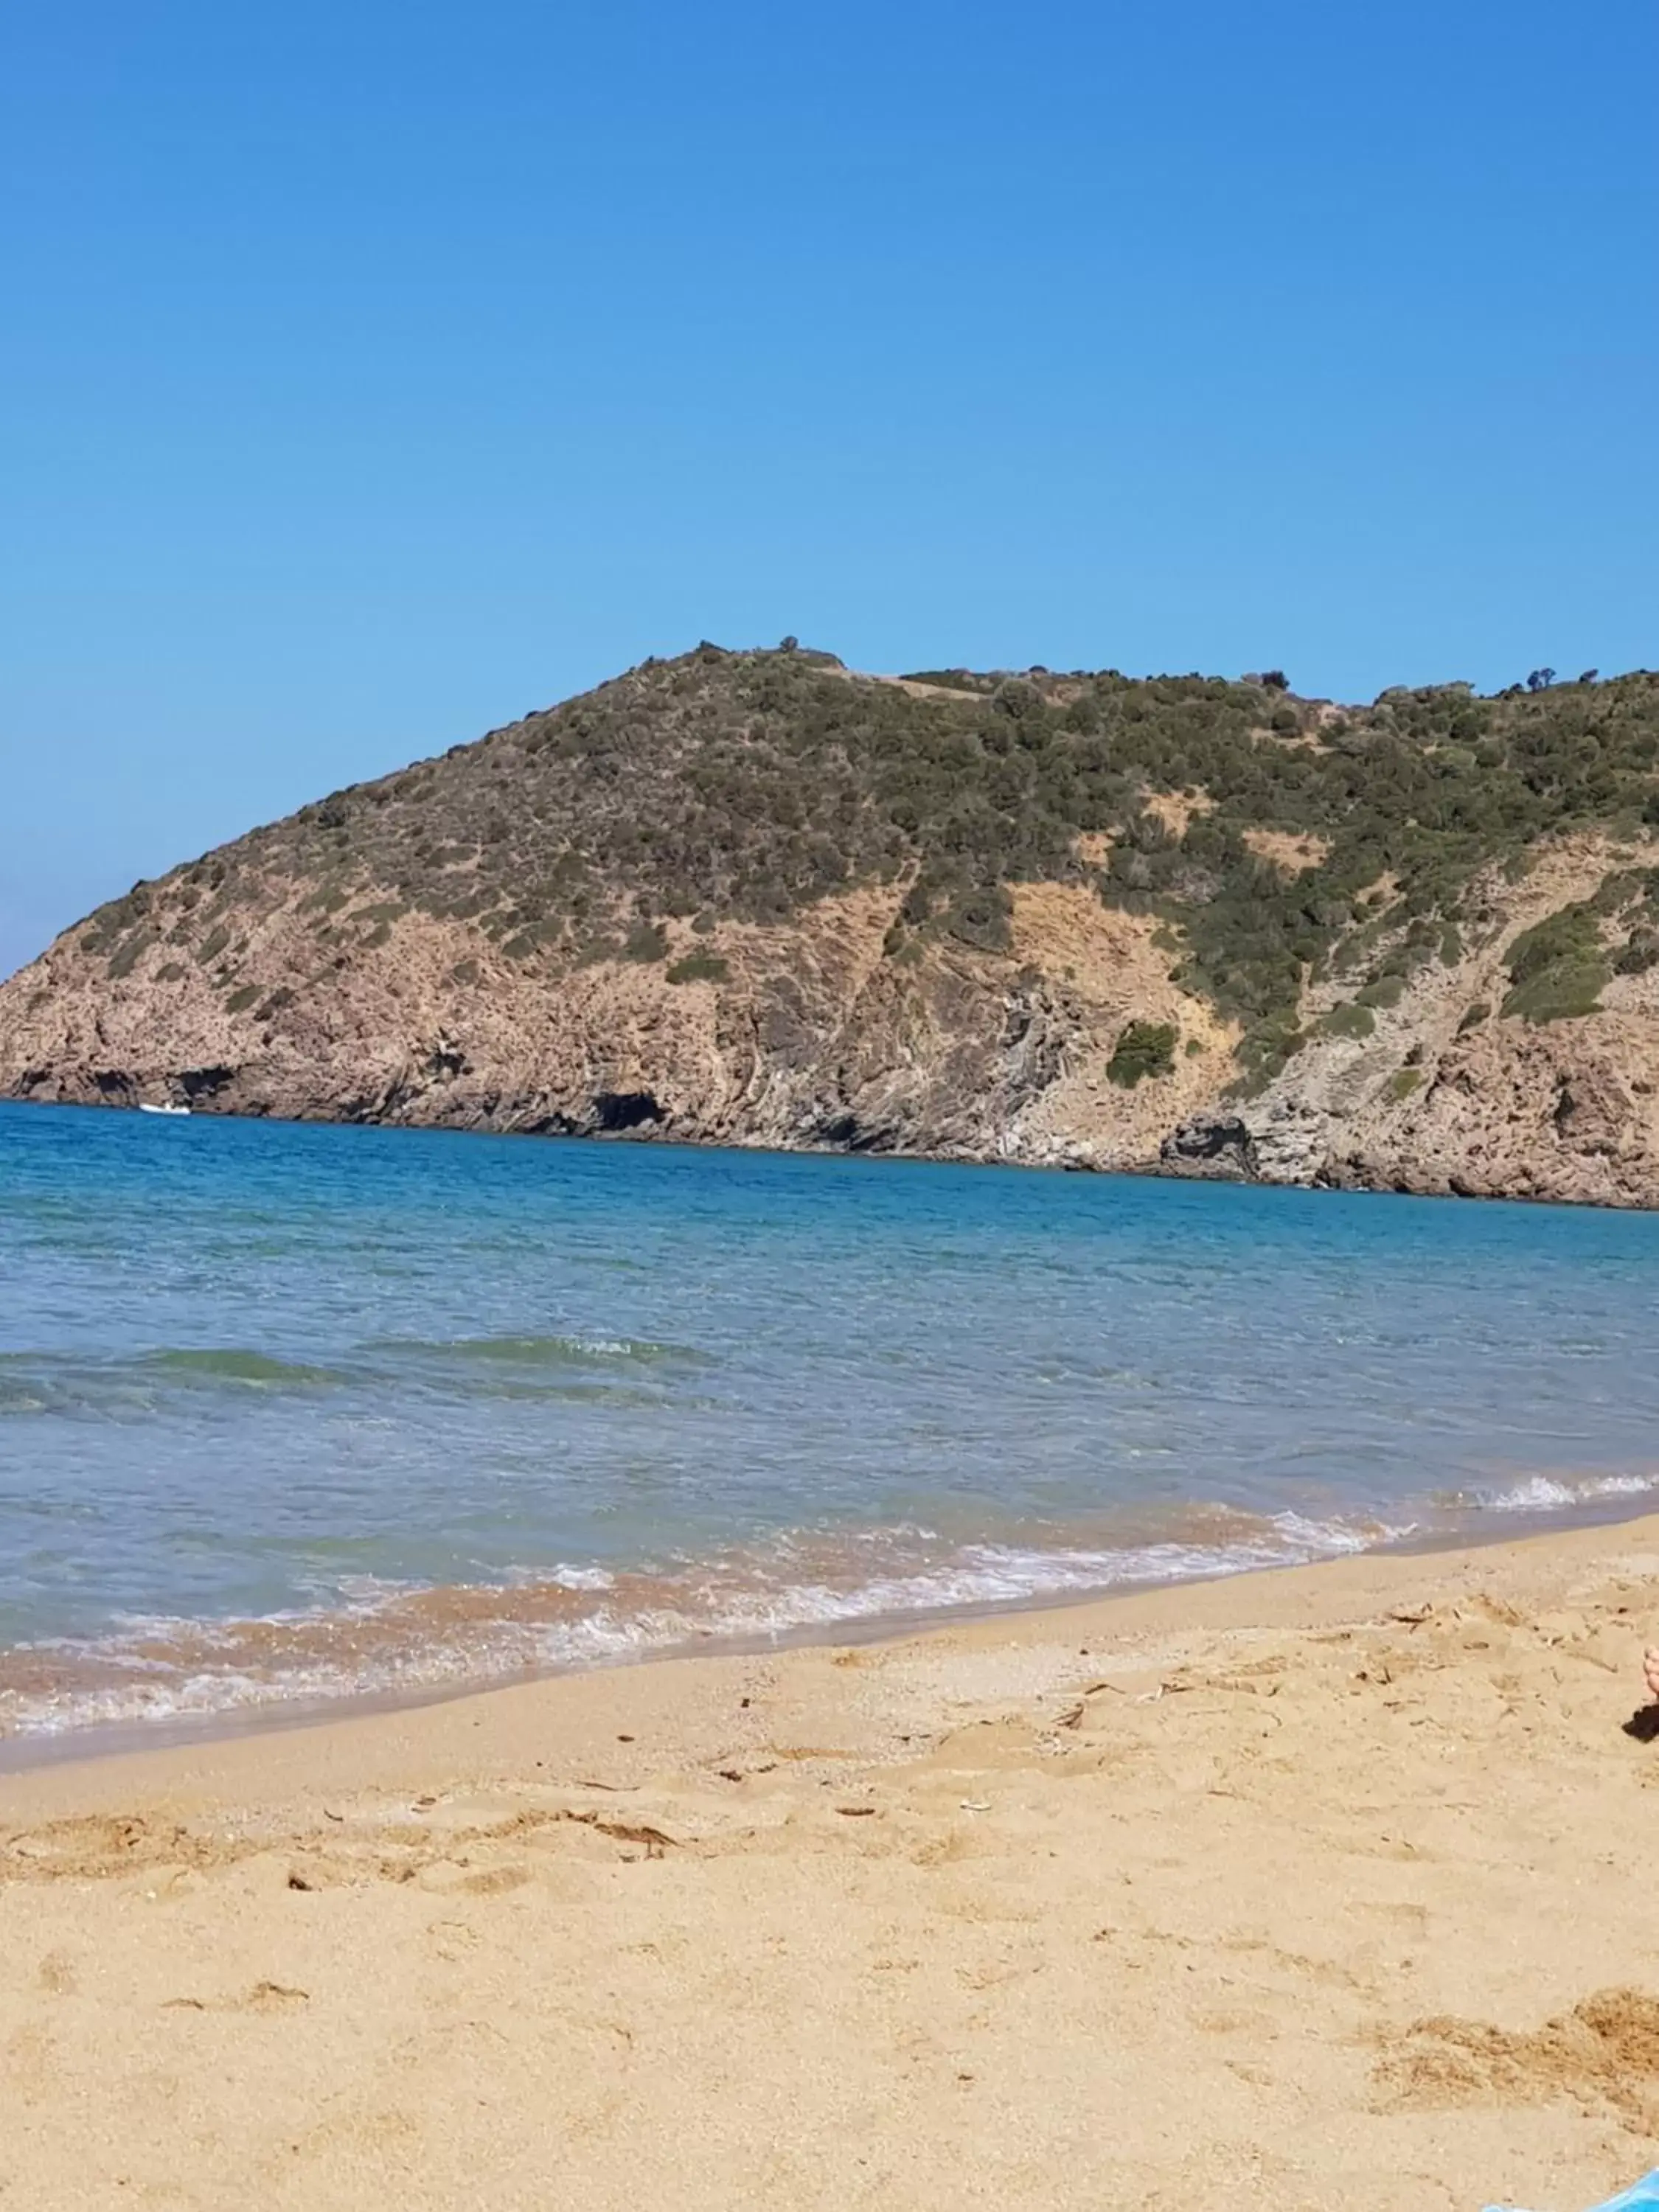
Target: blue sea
(289, 1414)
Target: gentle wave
(35, 1381)
(233, 1363)
(370, 1636)
(376, 1638)
(1549, 1493)
(543, 1351)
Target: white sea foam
(159, 1668)
(373, 1637)
(1548, 1493)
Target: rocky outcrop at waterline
(1181, 926)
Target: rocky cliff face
(653, 918)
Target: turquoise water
(293, 1412)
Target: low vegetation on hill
(1275, 840)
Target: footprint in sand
(452, 1941)
(494, 1882)
(57, 1975)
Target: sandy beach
(1329, 1888)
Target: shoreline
(1155, 1171)
(1317, 1889)
(1300, 1588)
(29, 1750)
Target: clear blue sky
(372, 372)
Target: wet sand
(1322, 1889)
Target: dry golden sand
(1320, 1890)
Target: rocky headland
(1179, 925)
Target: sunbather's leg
(1651, 1671)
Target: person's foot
(1651, 1671)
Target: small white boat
(143, 1108)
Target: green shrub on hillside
(700, 968)
(126, 958)
(1144, 1050)
(1558, 968)
(1387, 990)
(949, 679)
(1349, 1019)
(645, 941)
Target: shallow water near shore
(290, 1413)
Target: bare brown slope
(811, 1036)
(1447, 1096)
